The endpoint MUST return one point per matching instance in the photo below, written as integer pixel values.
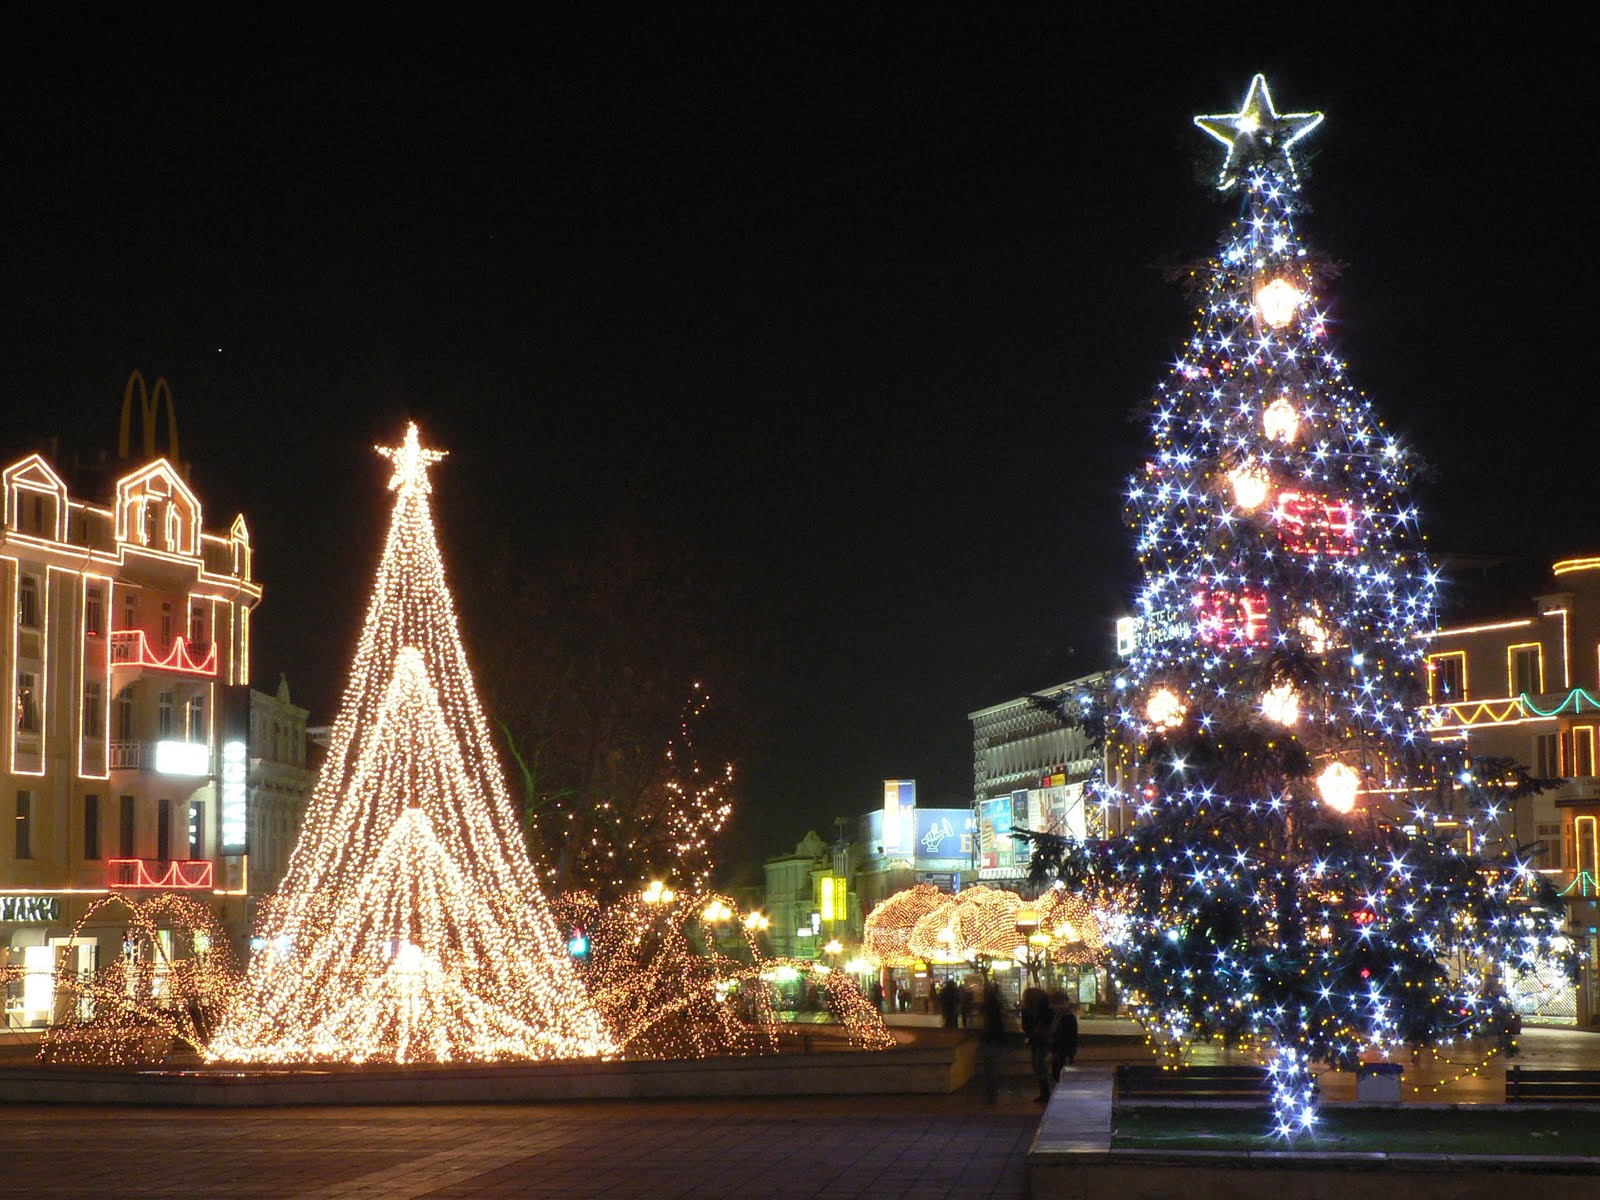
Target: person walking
(1063, 1040)
(949, 1003)
(875, 993)
(1038, 1022)
(991, 1040)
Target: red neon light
(1311, 524)
(192, 873)
(1232, 618)
(132, 647)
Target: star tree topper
(1257, 133)
(411, 462)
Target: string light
(410, 926)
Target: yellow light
(1251, 484)
(1280, 422)
(1164, 709)
(1315, 633)
(834, 946)
(1337, 786)
(1281, 704)
(1277, 301)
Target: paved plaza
(955, 1147)
(914, 1148)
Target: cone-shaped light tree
(410, 926)
(1287, 884)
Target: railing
(131, 647)
(177, 874)
(127, 756)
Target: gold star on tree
(411, 462)
(1257, 133)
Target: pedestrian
(949, 1003)
(969, 1004)
(991, 1040)
(1038, 1023)
(876, 993)
(1063, 1040)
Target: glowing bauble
(1280, 422)
(1315, 633)
(1277, 301)
(1281, 704)
(1337, 785)
(1251, 484)
(1164, 709)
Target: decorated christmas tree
(410, 926)
(1287, 883)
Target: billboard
(994, 833)
(899, 816)
(944, 833)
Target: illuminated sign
(833, 898)
(183, 758)
(30, 908)
(899, 816)
(944, 833)
(235, 799)
(1127, 636)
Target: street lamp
(658, 893)
(1033, 941)
(717, 912)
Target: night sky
(862, 311)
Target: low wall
(931, 1070)
(1071, 1159)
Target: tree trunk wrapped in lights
(1288, 883)
(410, 926)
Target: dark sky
(859, 308)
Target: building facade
(126, 643)
(1526, 686)
(1028, 772)
(282, 774)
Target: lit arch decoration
(147, 1004)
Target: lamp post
(1027, 926)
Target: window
(1546, 763)
(27, 703)
(164, 829)
(28, 602)
(24, 825)
(94, 702)
(197, 829)
(166, 625)
(91, 827)
(196, 721)
(197, 626)
(130, 611)
(1583, 750)
(124, 715)
(94, 614)
(164, 721)
(125, 833)
(1447, 677)
(1525, 668)
(1587, 844)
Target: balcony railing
(182, 874)
(131, 648)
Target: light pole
(1033, 941)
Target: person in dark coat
(1038, 1023)
(1063, 1040)
(949, 1003)
(991, 1039)
(876, 994)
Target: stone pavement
(886, 1148)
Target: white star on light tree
(1257, 132)
(411, 462)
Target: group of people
(1050, 1024)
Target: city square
(422, 673)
